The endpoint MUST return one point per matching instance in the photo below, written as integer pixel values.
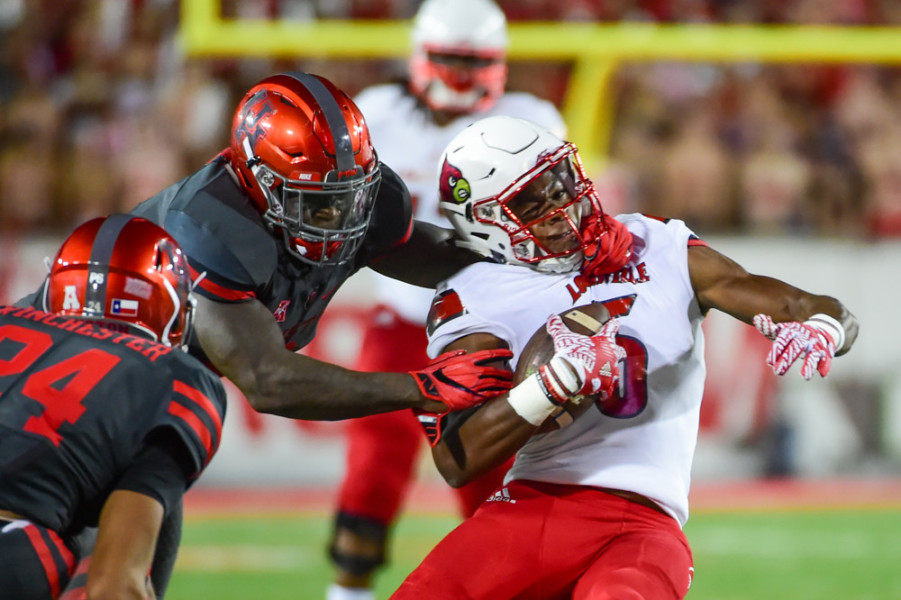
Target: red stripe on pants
(46, 555)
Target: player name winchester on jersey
(98, 330)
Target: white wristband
(565, 375)
(830, 326)
(530, 401)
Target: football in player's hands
(586, 320)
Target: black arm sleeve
(161, 469)
(453, 420)
(166, 550)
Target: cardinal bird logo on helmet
(453, 187)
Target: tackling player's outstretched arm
(426, 259)
(780, 311)
(244, 343)
(490, 434)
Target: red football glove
(595, 359)
(792, 339)
(460, 380)
(607, 246)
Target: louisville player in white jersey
(457, 75)
(595, 509)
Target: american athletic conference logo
(502, 495)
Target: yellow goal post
(593, 49)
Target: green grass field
(772, 554)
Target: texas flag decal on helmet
(124, 308)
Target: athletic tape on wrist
(531, 401)
(558, 380)
(830, 326)
(564, 374)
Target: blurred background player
(104, 418)
(594, 509)
(457, 73)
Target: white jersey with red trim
(411, 142)
(642, 440)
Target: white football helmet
(490, 163)
(458, 60)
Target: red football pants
(383, 449)
(554, 542)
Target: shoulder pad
(446, 306)
(217, 227)
(528, 106)
(222, 240)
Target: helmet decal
(124, 308)
(258, 106)
(452, 186)
(70, 299)
(136, 287)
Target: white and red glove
(460, 380)
(595, 360)
(816, 339)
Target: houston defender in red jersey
(104, 420)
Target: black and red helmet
(126, 273)
(303, 154)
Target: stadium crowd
(100, 110)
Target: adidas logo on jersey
(502, 495)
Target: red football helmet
(458, 63)
(302, 152)
(128, 274)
